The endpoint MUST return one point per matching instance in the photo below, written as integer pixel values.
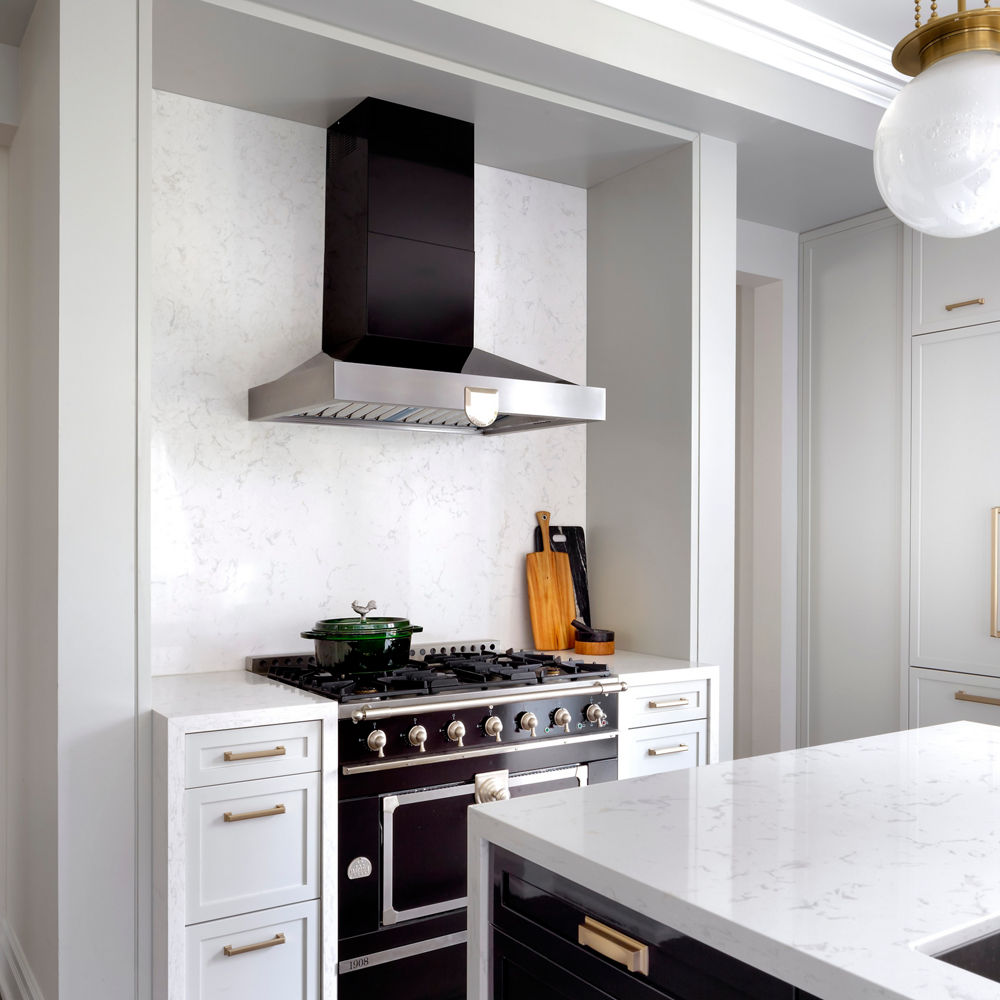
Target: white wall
(260, 529)
(71, 916)
(4, 697)
(766, 254)
(32, 928)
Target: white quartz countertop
(834, 868)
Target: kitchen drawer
(654, 749)
(654, 704)
(287, 968)
(252, 861)
(948, 271)
(933, 701)
(254, 752)
(544, 913)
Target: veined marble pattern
(259, 529)
(839, 868)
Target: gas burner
(436, 673)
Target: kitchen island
(838, 869)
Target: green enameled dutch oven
(362, 645)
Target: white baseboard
(17, 981)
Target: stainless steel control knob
(376, 742)
(528, 721)
(561, 717)
(596, 714)
(418, 737)
(493, 727)
(456, 731)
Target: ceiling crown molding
(784, 36)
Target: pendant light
(937, 149)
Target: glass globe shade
(937, 149)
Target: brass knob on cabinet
(596, 714)
(493, 727)
(529, 721)
(561, 717)
(456, 732)
(376, 742)
(418, 737)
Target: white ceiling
(886, 21)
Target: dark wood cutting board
(570, 539)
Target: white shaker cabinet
(954, 281)
(955, 484)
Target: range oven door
(424, 838)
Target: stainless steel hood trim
(324, 390)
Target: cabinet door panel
(655, 749)
(956, 483)
(949, 272)
(256, 956)
(933, 698)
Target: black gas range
(461, 723)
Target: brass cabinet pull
(229, 950)
(967, 302)
(621, 948)
(660, 751)
(253, 754)
(978, 698)
(257, 814)
(994, 581)
(672, 703)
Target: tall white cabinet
(954, 656)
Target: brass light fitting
(946, 35)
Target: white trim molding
(17, 981)
(785, 36)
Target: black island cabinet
(550, 935)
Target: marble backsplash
(259, 529)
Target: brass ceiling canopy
(947, 34)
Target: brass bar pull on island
(967, 302)
(995, 576)
(621, 948)
(254, 754)
(229, 950)
(671, 703)
(978, 698)
(661, 751)
(278, 810)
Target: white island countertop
(837, 868)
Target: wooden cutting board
(550, 593)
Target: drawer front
(254, 752)
(655, 704)
(568, 924)
(954, 272)
(655, 749)
(287, 965)
(251, 845)
(938, 696)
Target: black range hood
(398, 293)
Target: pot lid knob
(363, 609)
